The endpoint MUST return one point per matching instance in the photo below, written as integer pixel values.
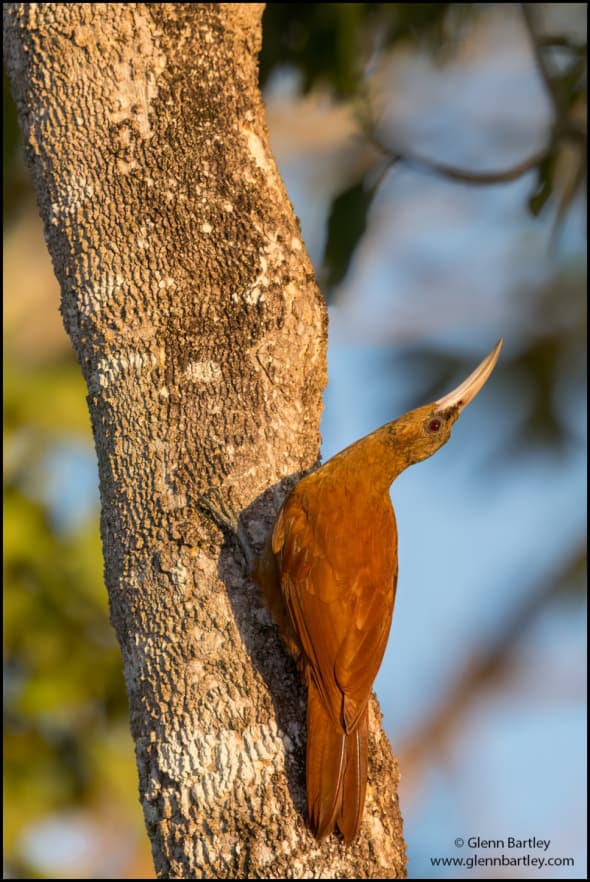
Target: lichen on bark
(193, 310)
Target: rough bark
(193, 310)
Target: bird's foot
(227, 520)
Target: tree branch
(464, 176)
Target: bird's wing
(339, 595)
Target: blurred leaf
(52, 396)
(319, 39)
(424, 22)
(543, 185)
(329, 43)
(541, 424)
(346, 226)
(573, 578)
(63, 667)
(570, 83)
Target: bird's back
(329, 574)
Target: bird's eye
(434, 425)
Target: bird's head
(419, 433)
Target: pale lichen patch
(135, 80)
(203, 371)
(76, 191)
(253, 296)
(109, 370)
(231, 760)
(180, 575)
(256, 148)
(125, 167)
(262, 854)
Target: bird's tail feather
(354, 781)
(336, 771)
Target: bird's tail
(336, 771)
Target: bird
(328, 574)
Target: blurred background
(436, 157)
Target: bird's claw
(222, 514)
(227, 519)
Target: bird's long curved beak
(466, 392)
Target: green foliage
(543, 185)
(51, 399)
(63, 680)
(569, 81)
(328, 42)
(320, 39)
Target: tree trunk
(201, 333)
